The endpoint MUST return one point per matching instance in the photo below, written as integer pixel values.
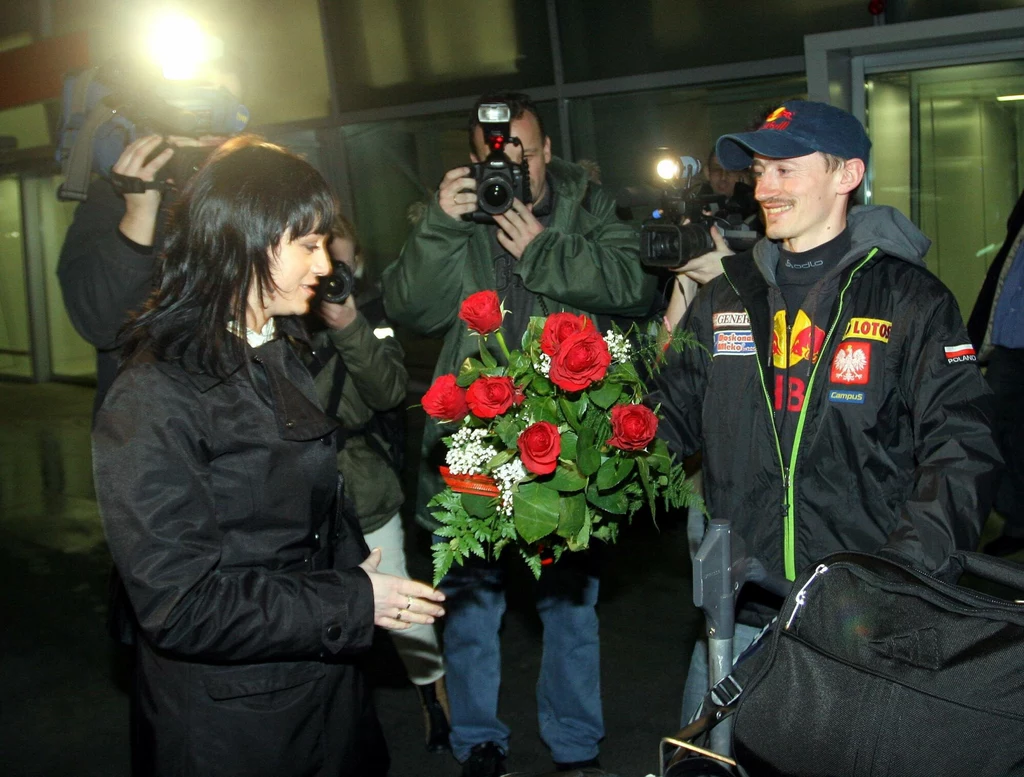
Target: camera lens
(338, 286)
(495, 195)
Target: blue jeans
(569, 687)
(697, 679)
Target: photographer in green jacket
(562, 250)
(360, 377)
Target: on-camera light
(668, 169)
(181, 47)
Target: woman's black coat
(218, 501)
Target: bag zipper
(801, 595)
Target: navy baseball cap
(797, 128)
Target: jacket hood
(870, 226)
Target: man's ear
(547, 150)
(851, 175)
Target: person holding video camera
(360, 377)
(836, 397)
(560, 249)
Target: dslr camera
(499, 180)
(105, 108)
(667, 243)
(338, 286)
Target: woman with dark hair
(217, 482)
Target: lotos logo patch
(778, 119)
(868, 329)
(737, 342)
(729, 320)
(852, 364)
(960, 353)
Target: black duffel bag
(877, 668)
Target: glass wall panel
(947, 152)
(388, 52)
(622, 132)
(609, 38)
(70, 355)
(15, 356)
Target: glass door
(948, 151)
(15, 336)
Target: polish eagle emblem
(849, 364)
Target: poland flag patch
(960, 353)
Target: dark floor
(63, 710)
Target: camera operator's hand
(518, 227)
(338, 316)
(457, 193)
(139, 221)
(707, 266)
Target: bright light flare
(1005, 98)
(180, 46)
(668, 169)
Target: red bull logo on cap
(778, 119)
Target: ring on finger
(398, 617)
(408, 604)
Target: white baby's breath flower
(543, 364)
(618, 346)
(506, 476)
(469, 452)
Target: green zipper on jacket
(789, 533)
(788, 508)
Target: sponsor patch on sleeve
(960, 353)
(868, 329)
(734, 342)
(852, 364)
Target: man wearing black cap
(837, 399)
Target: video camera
(499, 179)
(105, 108)
(664, 241)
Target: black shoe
(1004, 546)
(572, 766)
(485, 760)
(434, 702)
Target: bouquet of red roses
(554, 447)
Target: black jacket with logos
(893, 447)
(218, 501)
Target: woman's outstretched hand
(397, 601)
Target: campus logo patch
(846, 396)
(852, 364)
(734, 342)
(960, 353)
(730, 320)
(778, 119)
(868, 329)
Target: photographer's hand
(707, 266)
(453, 196)
(139, 221)
(338, 316)
(518, 227)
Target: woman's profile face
(295, 268)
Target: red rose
(539, 446)
(581, 359)
(482, 312)
(633, 427)
(445, 400)
(558, 326)
(488, 397)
